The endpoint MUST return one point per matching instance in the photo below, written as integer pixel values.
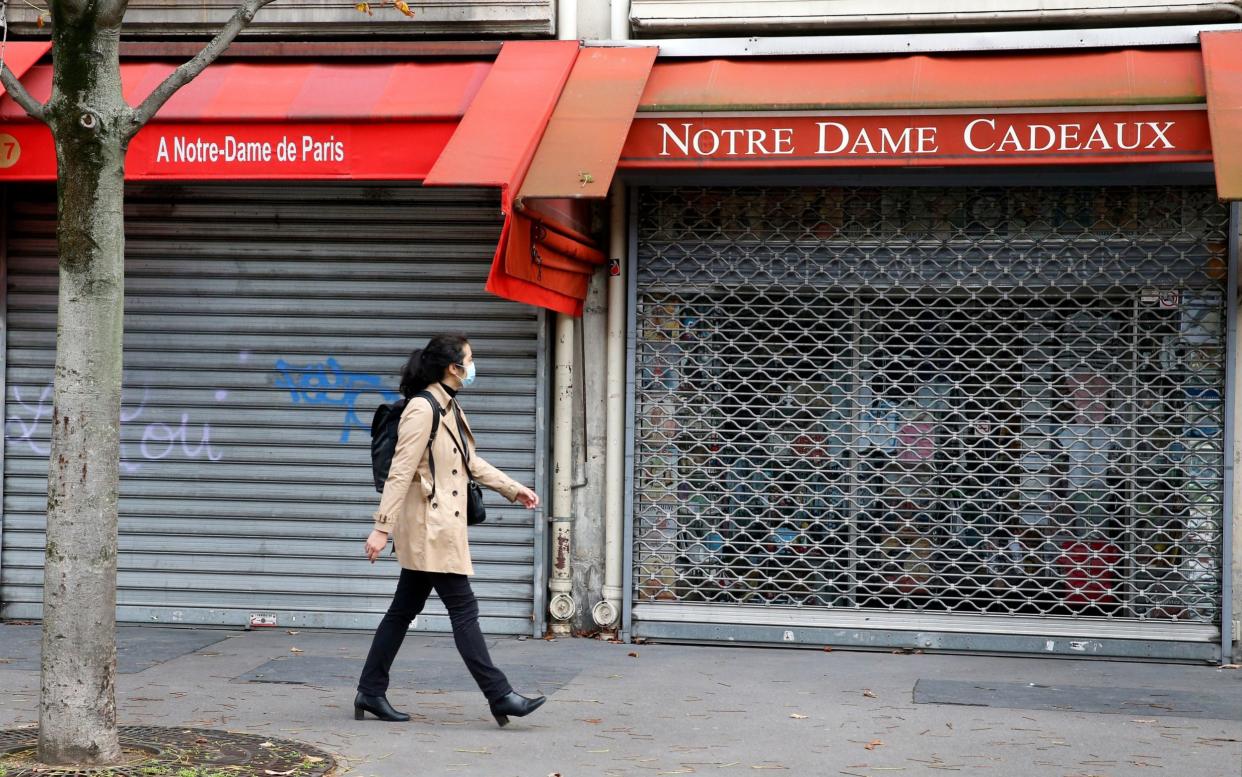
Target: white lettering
(970, 135)
(682, 143)
(823, 133)
(330, 150)
(1049, 133)
(784, 140)
(754, 142)
(732, 135)
(1068, 137)
(862, 140)
(895, 145)
(1121, 135)
(1160, 136)
(1097, 136)
(927, 140)
(162, 154)
(702, 150)
(1010, 139)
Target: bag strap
(460, 438)
(436, 411)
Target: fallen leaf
(295, 650)
(868, 693)
(592, 721)
(827, 649)
(267, 744)
(280, 774)
(403, 7)
(633, 655)
(364, 8)
(873, 744)
(293, 632)
(314, 759)
(1231, 666)
(796, 716)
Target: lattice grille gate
(987, 401)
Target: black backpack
(384, 427)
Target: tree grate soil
(176, 752)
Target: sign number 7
(10, 150)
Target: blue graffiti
(326, 383)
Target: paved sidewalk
(676, 709)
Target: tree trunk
(88, 117)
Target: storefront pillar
(1233, 525)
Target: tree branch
(14, 87)
(187, 72)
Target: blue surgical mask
(466, 381)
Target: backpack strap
(436, 411)
(460, 438)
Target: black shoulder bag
(476, 513)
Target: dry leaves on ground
(873, 744)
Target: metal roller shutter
(263, 326)
(962, 418)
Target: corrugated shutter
(263, 326)
(986, 418)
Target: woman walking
(423, 509)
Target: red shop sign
(193, 151)
(857, 140)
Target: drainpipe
(561, 604)
(607, 613)
(567, 19)
(619, 21)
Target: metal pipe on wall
(567, 19)
(619, 20)
(561, 605)
(607, 612)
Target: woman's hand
(376, 544)
(528, 498)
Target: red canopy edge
(498, 134)
(544, 257)
(1157, 76)
(1222, 64)
(578, 154)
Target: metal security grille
(263, 325)
(985, 401)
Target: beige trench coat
(430, 534)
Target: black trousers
(412, 591)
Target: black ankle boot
(516, 705)
(377, 706)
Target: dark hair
(426, 365)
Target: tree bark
(90, 123)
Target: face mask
(466, 381)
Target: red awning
(20, 57)
(580, 148)
(275, 121)
(1161, 76)
(561, 109)
(1061, 107)
(1222, 61)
